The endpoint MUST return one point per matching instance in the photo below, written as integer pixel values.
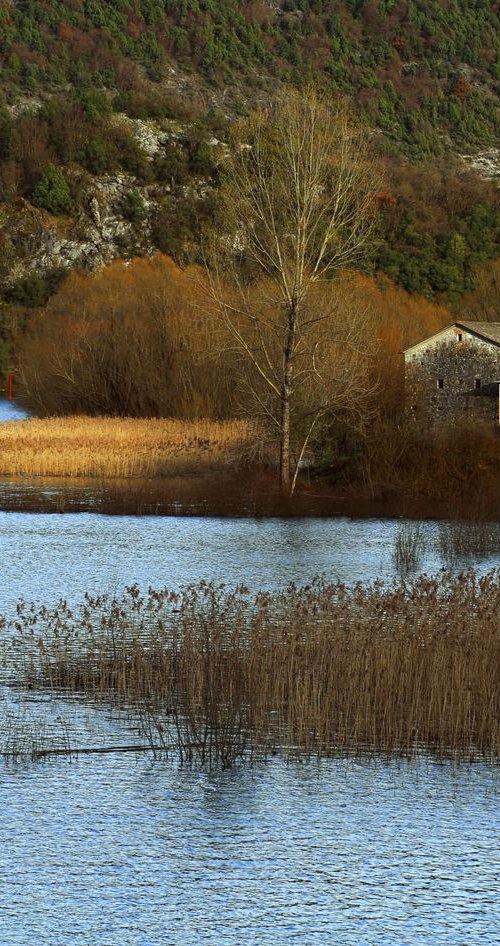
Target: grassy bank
(213, 677)
(157, 466)
(123, 447)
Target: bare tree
(298, 206)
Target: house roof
(489, 331)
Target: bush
(129, 154)
(52, 192)
(200, 154)
(170, 166)
(34, 291)
(30, 292)
(133, 208)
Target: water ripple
(129, 852)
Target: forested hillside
(114, 118)
(418, 68)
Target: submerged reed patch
(32, 738)
(463, 540)
(213, 677)
(122, 447)
(409, 547)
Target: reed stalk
(465, 540)
(409, 547)
(216, 676)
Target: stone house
(455, 375)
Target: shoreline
(165, 467)
(219, 494)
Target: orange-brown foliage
(399, 43)
(397, 319)
(386, 199)
(128, 340)
(403, 318)
(136, 339)
(482, 303)
(134, 29)
(462, 89)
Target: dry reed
(216, 677)
(409, 547)
(461, 541)
(123, 447)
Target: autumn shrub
(455, 467)
(130, 340)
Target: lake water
(122, 850)
(125, 852)
(43, 557)
(9, 410)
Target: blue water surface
(123, 850)
(128, 852)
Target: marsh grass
(31, 738)
(125, 447)
(466, 540)
(214, 677)
(409, 547)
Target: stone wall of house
(452, 379)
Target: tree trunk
(286, 396)
(285, 440)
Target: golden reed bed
(123, 447)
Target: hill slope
(113, 118)
(420, 69)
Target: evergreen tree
(52, 192)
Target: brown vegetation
(216, 677)
(127, 341)
(136, 338)
(482, 303)
(123, 447)
(142, 344)
(456, 466)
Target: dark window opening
(440, 383)
(459, 336)
(477, 384)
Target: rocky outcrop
(485, 163)
(100, 229)
(150, 135)
(34, 242)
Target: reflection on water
(129, 852)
